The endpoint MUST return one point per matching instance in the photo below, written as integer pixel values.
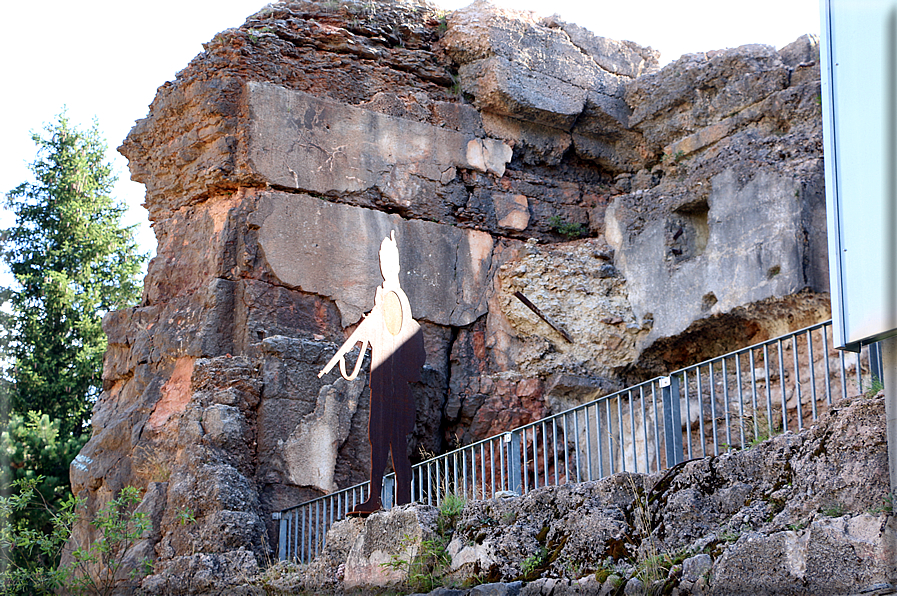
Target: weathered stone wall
(692, 199)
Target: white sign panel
(859, 99)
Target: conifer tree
(73, 261)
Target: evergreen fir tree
(73, 261)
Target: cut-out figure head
(389, 261)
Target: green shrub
(30, 560)
(35, 455)
(566, 228)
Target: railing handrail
(574, 409)
(767, 342)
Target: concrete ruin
(660, 215)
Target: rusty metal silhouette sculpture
(397, 355)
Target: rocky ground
(800, 513)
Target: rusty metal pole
(889, 365)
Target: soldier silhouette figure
(397, 355)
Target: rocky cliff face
(659, 215)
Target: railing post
(282, 542)
(389, 486)
(515, 480)
(672, 420)
(875, 365)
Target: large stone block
(745, 243)
(511, 89)
(625, 58)
(332, 250)
(302, 142)
(700, 89)
(516, 66)
(847, 555)
(391, 535)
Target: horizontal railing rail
(725, 403)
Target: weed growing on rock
(835, 509)
(185, 516)
(425, 454)
(573, 569)
(730, 535)
(427, 569)
(886, 507)
(456, 89)
(533, 562)
(652, 565)
(673, 157)
(760, 427)
(256, 34)
(451, 507)
(152, 465)
(875, 387)
(424, 572)
(442, 19)
(565, 228)
(653, 568)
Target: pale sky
(105, 58)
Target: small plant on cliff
(730, 535)
(152, 465)
(875, 387)
(886, 507)
(566, 228)
(451, 507)
(651, 565)
(760, 428)
(456, 88)
(426, 570)
(834, 509)
(533, 562)
(118, 526)
(673, 157)
(185, 516)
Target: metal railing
(725, 403)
